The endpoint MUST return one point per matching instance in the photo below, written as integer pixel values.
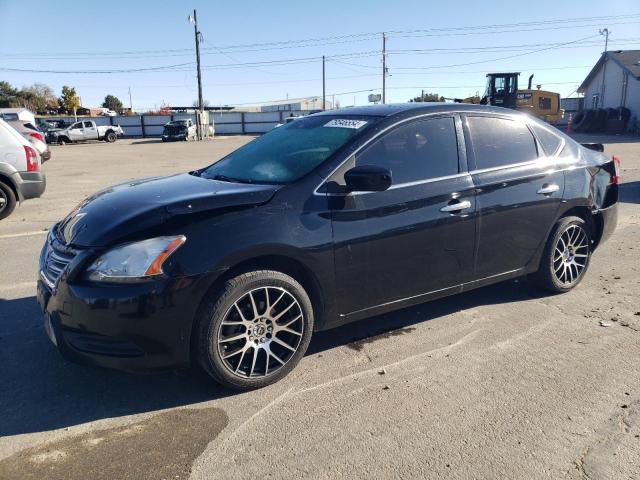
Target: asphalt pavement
(501, 382)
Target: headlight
(134, 262)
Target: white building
(620, 70)
(295, 104)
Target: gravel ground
(501, 382)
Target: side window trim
(541, 147)
(463, 168)
(472, 165)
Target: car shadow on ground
(146, 141)
(630, 192)
(41, 391)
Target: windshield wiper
(224, 178)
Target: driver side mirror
(367, 178)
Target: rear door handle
(548, 189)
(456, 207)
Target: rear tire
(253, 329)
(110, 137)
(7, 200)
(566, 256)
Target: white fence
(224, 123)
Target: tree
(69, 100)
(112, 103)
(9, 96)
(40, 98)
(428, 97)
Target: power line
(127, 70)
(312, 42)
(335, 58)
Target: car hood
(122, 210)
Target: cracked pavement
(501, 382)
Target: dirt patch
(163, 446)
(359, 344)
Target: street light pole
(324, 102)
(605, 32)
(384, 68)
(194, 20)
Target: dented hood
(122, 210)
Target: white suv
(21, 177)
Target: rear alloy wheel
(110, 137)
(7, 200)
(571, 254)
(257, 330)
(566, 256)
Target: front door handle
(456, 207)
(548, 189)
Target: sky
(257, 51)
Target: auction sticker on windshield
(345, 123)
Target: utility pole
(194, 20)
(324, 101)
(605, 32)
(384, 68)
(130, 102)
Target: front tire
(7, 200)
(566, 256)
(254, 329)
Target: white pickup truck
(88, 130)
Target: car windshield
(290, 151)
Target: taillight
(37, 135)
(32, 159)
(615, 178)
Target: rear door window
(87, 125)
(419, 150)
(498, 142)
(550, 141)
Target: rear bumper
(608, 218)
(30, 184)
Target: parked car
(21, 177)
(88, 130)
(328, 219)
(51, 128)
(35, 137)
(179, 130)
(289, 120)
(109, 113)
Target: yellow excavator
(502, 91)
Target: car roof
(392, 109)
(11, 132)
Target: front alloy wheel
(260, 332)
(254, 329)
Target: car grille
(56, 257)
(175, 130)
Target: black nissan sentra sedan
(332, 218)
